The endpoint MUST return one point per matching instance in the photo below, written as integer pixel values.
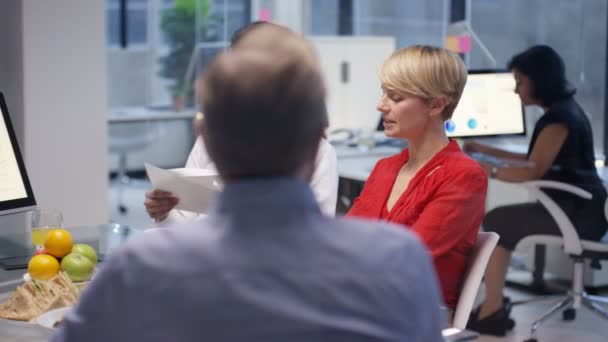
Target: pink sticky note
(264, 14)
(464, 44)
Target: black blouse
(575, 162)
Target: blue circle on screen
(450, 126)
(472, 123)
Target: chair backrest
(478, 260)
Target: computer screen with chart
(15, 190)
(488, 107)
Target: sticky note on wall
(458, 44)
(264, 14)
(451, 43)
(464, 44)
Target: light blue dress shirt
(266, 265)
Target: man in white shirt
(160, 204)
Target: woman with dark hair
(561, 149)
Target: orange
(43, 267)
(58, 243)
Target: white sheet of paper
(195, 188)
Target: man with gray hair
(266, 264)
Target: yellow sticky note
(451, 43)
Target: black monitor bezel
(30, 200)
(506, 135)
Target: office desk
(603, 172)
(356, 164)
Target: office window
(137, 24)
(141, 76)
(324, 17)
(576, 29)
(410, 22)
(151, 75)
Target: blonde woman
(431, 187)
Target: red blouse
(444, 204)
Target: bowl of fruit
(60, 253)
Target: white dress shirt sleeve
(324, 181)
(198, 159)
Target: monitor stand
(16, 247)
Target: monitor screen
(15, 190)
(489, 106)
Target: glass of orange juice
(43, 221)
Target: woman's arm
(473, 146)
(324, 182)
(543, 154)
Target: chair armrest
(544, 184)
(572, 242)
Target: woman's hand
(159, 203)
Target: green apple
(77, 266)
(87, 251)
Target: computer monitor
(16, 197)
(15, 190)
(489, 106)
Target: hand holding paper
(194, 188)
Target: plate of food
(52, 319)
(35, 297)
(56, 276)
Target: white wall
(11, 67)
(65, 106)
(351, 102)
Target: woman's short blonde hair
(427, 72)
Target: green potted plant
(180, 23)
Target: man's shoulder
(161, 246)
(383, 238)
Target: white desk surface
(603, 172)
(357, 164)
(142, 114)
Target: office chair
(579, 251)
(478, 260)
(124, 138)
